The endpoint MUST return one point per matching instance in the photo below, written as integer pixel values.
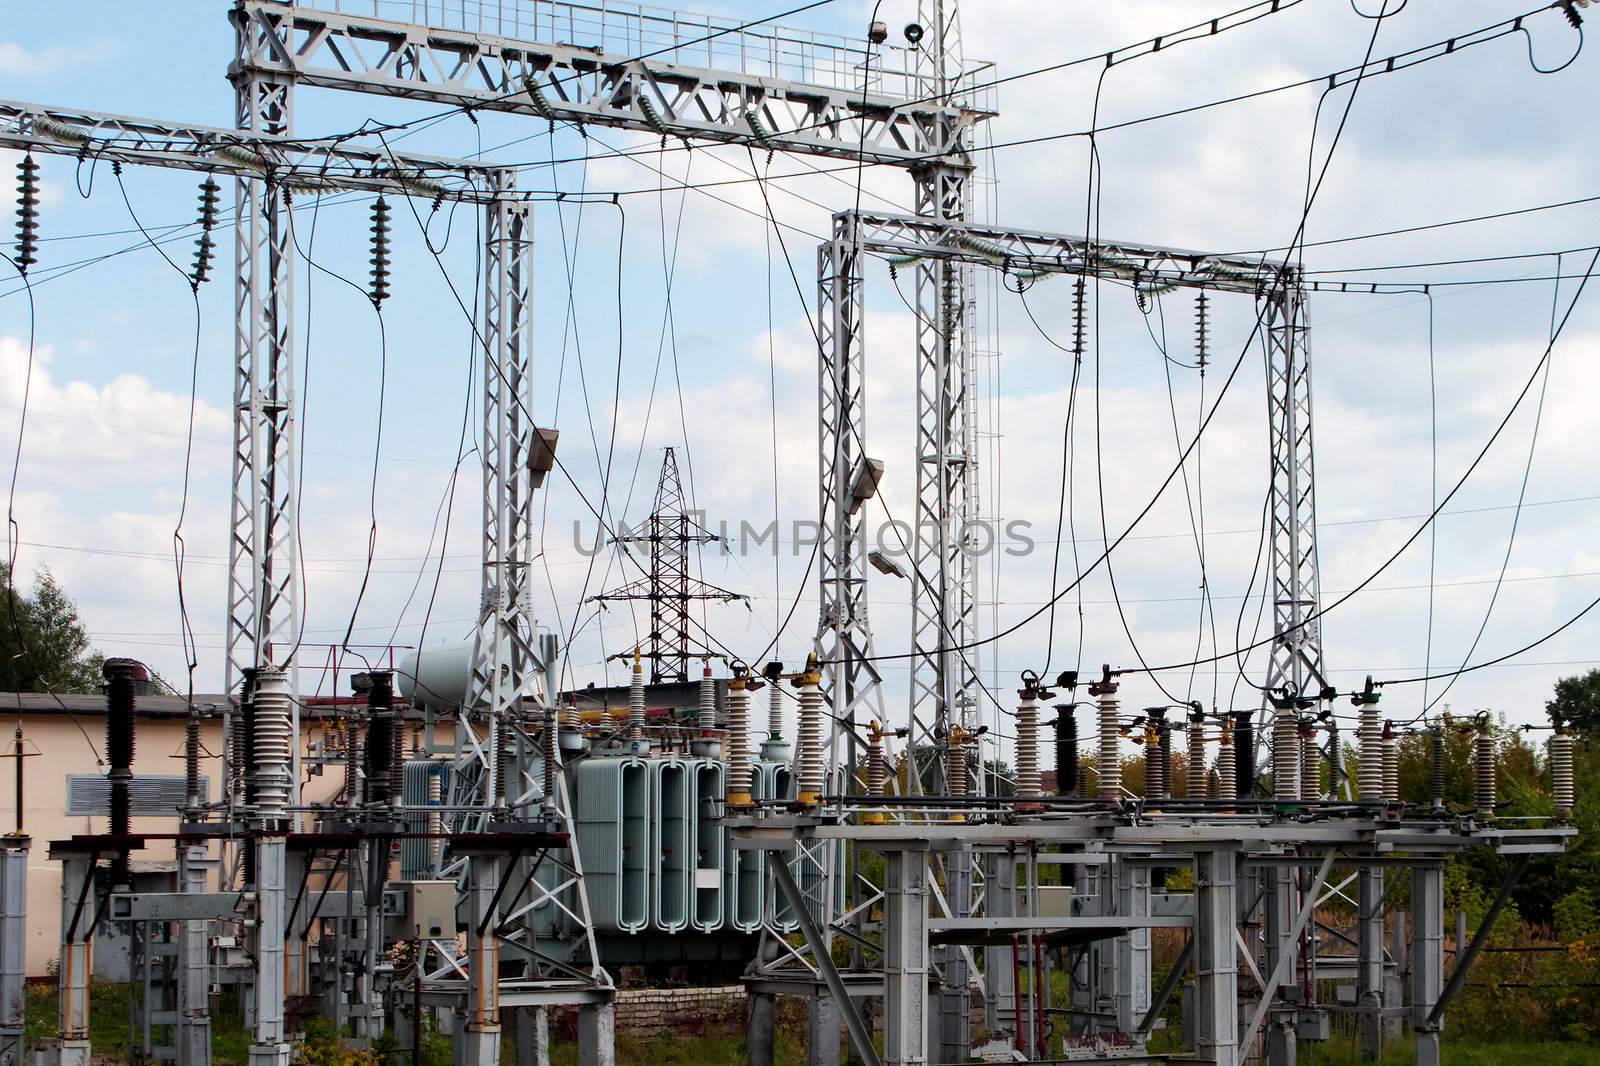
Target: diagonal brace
(1169, 986)
(1458, 976)
(860, 1035)
(1287, 960)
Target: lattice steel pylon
(667, 586)
(1295, 671)
(942, 590)
(263, 576)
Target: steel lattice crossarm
(683, 76)
(122, 138)
(1024, 252)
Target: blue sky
(102, 465)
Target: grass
(686, 1051)
(1456, 1052)
(108, 1032)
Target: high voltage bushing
(1066, 750)
(1436, 769)
(1110, 752)
(1028, 787)
(877, 771)
(274, 744)
(1244, 755)
(1227, 767)
(1285, 751)
(120, 675)
(380, 251)
(206, 244)
(955, 767)
(547, 738)
(352, 758)
(1562, 788)
(1369, 745)
(1195, 739)
(707, 716)
(382, 733)
(193, 798)
(1483, 770)
(738, 786)
(808, 736)
(1164, 754)
(636, 699)
(27, 213)
(1391, 764)
(775, 703)
(1310, 763)
(244, 759)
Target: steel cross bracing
(304, 167)
(1296, 664)
(951, 242)
(805, 96)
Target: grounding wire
(190, 654)
(1279, 282)
(1516, 518)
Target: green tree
(1577, 701)
(43, 645)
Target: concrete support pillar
(194, 964)
(1132, 990)
(269, 1048)
(1216, 907)
(533, 1036)
(955, 1035)
(480, 1042)
(1280, 905)
(78, 909)
(1427, 958)
(597, 1035)
(761, 1029)
(824, 1030)
(13, 945)
(1000, 901)
(905, 978)
(1369, 960)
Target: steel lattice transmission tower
(667, 585)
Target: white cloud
(17, 61)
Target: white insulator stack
(808, 738)
(1110, 755)
(955, 765)
(877, 769)
(1028, 786)
(708, 699)
(1391, 767)
(1483, 772)
(1369, 755)
(435, 819)
(274, 743)
(636, 699)
(571, 720)
(1562, 789)
(1195, 771)
(739, 742)
(1227, 765)
(1285, 755)
(775, 712)
(1310, 767)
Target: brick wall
(681, 1010)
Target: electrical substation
(486, 850)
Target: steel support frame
(480, 68)
(1295, 670)
(263, 579)
(1216, 960)
(194, 963)
(14, 850)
